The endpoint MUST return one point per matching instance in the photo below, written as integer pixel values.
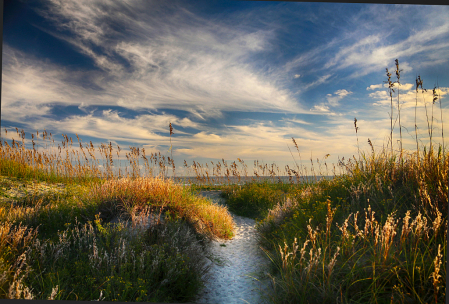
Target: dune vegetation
(74, 222)
(74, 232)
(375, 234)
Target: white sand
(232, 280)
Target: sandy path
(232, 280)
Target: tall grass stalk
(398, 75)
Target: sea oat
(303, 252)
(420, 226)
(437, 222)
(358, 232)
(332, 262)
(388, 233)
(314, 258)
(345, 234)
(312, 233)
(285, 254)
(54, 292)
(405, 226)
(436, 273)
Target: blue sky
(237, 79)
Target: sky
(236, 79)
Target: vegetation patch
(74, 227)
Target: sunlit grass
(374, 234)
(117, 197)
(372, 237)
(57, 242)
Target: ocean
(223, 180)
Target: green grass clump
(102, 261)
(254, 199)
(125, 196)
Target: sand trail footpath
(232, 279)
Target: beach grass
(365, 237)
(374, 233)
(65, 235)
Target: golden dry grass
(125, 196)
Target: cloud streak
(177, 60)
(367, 47)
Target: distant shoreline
(216, 181)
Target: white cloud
(336, 97)
(30, 86)
(433, 62)
(370, 55)
(320, 108)
(376, 37)
(297, 121)
(351, 54)
(178, 60)
(321, 80)
(375, 87)
(408, 97)
(406, 86)
(332, 101)
(379, 95)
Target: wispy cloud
(320, 108)
(408, 96)
(296, 121)
(367, 47)
(30, 86)
(319, 81)
(375, 86)
(176, 60)
(374, 52)
(333, 99)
